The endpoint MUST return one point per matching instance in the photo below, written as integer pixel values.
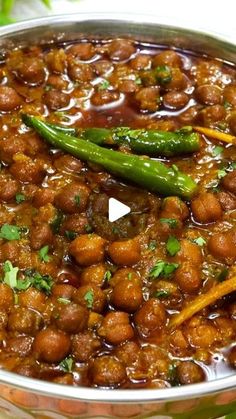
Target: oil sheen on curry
(149, 300)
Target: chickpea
(6, 297)
(91, 296)
(189, 373)
(229, 182)
(41, 235)
(147, 98)
(94, 274)
(206, 208)
(175, 100)
(121, 49)
(189, 252)
(188, 277)
(43, 197)
(32, 298)
(127, 296)
(230, 94)
(150, 317)
(174, 207)
(227, 200)
(54, 99)
(73, 198)
(116, 328)
(123, 274)
(24, 320)
(82, 73)
(84, 346)
(87, 249)
(51, 346)
(56, 61)
(209, 94)
(31, 172)
(63, 291)
(232, 123)
(211, 114)
(141, 62)
(126, 252)
(20, 346)
(223, 246)
(202, 335)
(9, 99)
(107, 371)
(71, 317)
(103, 97)
(232, 357)
(169, 58)
(82, 51)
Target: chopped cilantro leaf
(77, 200)
(41, 282)
(115, 230)
(67, 364)
(20, 197)
(16, 299)
(163, 74)
(172, 246)
(162, 294)
(48, 87)
(9, 232)
(56, 223)
(43, 254)
(104, 85)
(172, 222)
(107, 276)
(10, 277)
(129, 276)
(217, 150)
(138, 81)
(227, 105)
(221, 173)
(200, 241)
(152, 245)
(163, 268)
(88, 228)
(71, 235)
(88, 297)
(63, 300)
(23, 284)
(223, 275)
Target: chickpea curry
(149, 300)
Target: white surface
(117, 209)
(207, 15)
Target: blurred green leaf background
(6, 8)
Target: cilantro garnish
(9, 232)
(20, 197)
(172, 245)
(67, 364)
(162, 268)
(172, 222)
(88, 297)
(43, 254)
(163, 74)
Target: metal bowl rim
(94, 394)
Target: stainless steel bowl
(25, 398)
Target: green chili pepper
(142, 141)
(150, 174)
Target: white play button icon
(117, 209)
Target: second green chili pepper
(150, 174)
(141, 141)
